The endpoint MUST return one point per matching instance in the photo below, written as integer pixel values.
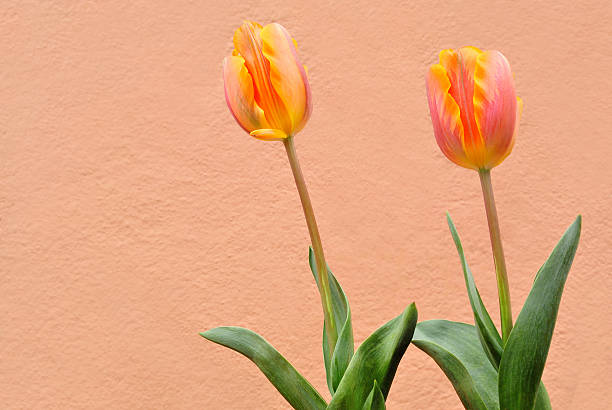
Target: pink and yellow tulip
(266, 86)
(473, 106)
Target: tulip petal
(269, 134)
(460, 67)
(287, 73)
(445, 115)
(519, 111)
(248, 43)
(495, 104)
(239, 95)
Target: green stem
(505, 309)
(315, 239)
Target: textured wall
(134, 212)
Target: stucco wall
(134, 212)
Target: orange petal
(445, 116)
(287, 74)
(495, 105)
(269, 134)
(248, 43)
(239, 95)
(460, 68)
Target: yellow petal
(239, 95)
(287, 74)
(269, 134)
(248, 43)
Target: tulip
(266, 87)
(473, 106)
(267, 92)
(475, 113)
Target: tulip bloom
(266, 87)
(473, 106)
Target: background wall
(134, 212)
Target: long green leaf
(291, 384)
(375, 400)
(487, 332)
(525, 353)
(456, 349)
(336, 363)
(375, 360)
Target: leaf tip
(207, 334)
(451, 224)
(576, 226)
(449, 220)
(216, 334)
(411, 312)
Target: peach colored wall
(134, 212)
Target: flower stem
(315, 238)
(505, 309)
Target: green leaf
(487, 332)
(525, 353)
(376, 359)
(298, 392)
(336, 364)
(376, 400)
(456, 349)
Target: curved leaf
(291, 384)
(487, 332)
(376, 359)
(376, 400)
(456, 349)
(525, 353)
(336, 364)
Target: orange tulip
(266, 87)
(473, 106)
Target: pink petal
(495, 104)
